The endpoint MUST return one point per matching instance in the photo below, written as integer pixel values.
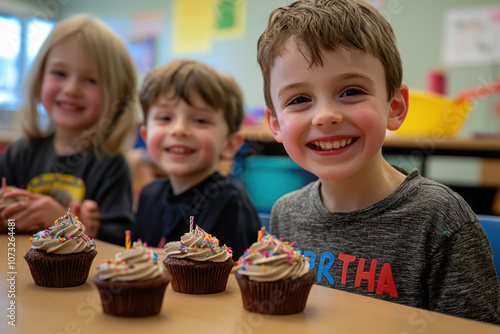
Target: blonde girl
(86, 81)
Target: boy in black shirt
(192, 116)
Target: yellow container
(433, 115)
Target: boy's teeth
(178, 150)
(328, 145)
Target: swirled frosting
(134, 264)
(270, 259)
(66, 236)
(198, 245)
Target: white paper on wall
(471, 37)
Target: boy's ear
(398, 108)
(234, 142)
(274, 126)
(143, 133)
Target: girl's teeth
(68, 106)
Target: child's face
(186, 141)
(70, 88)
(331, 119)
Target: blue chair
(491, 225)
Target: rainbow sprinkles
(271, 259)
(66, 235)
(198, 245)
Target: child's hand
(34, 213)
(88, 213)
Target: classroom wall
(418, 26)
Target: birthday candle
(4, 183)
(261, 233)
(191, 220)
(127, 239)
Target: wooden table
(77, 310)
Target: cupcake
(61, 255)
(197, 264)
(133, 284)
(274, 278)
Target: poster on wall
(230, 18)
(196, 30)
(471, 37)
(192, 28)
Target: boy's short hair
(219, 90)
(326, 25)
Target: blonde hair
(317, 25)
(117, 79)
(217, 89)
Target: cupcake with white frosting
(133, 283)
(61, 255)
(274, 278)
(197, 264)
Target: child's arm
(34, 213)
(88, 213)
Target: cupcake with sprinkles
(133, 283)
(61, 255)
(197, 264)
(273, 276)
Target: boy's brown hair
(317, 25)
(218, 90)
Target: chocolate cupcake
(197, 264)
(61, 256)
(133, 284)
(273, 277)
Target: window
(20, 39)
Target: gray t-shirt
(421, 246)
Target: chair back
(491, 225)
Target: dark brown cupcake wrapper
(279, 297)
(194, 277)
(132, 299)
(57, 271)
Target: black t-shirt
(220, 206)
(35, 166)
